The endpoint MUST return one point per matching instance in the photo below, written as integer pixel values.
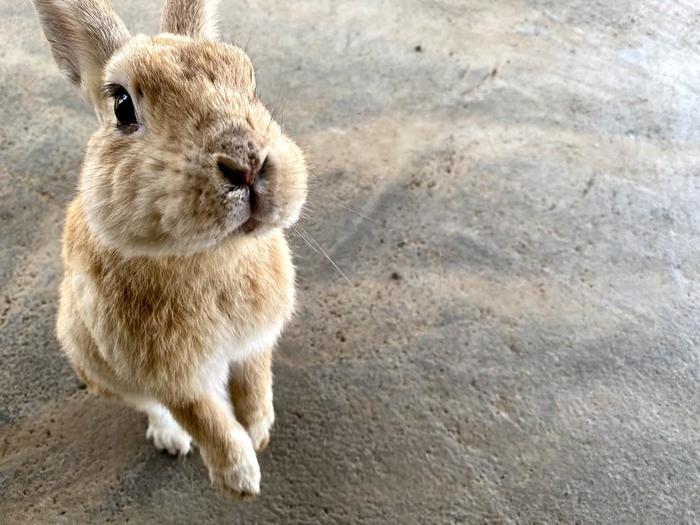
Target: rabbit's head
(186, 155)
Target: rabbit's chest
(185, 322)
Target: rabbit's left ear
(193, 18)
(83, 34)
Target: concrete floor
(513, 190)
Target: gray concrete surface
(513, 189)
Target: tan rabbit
(178, 279)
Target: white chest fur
(229, 348)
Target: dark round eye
(124, 108)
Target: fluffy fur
(177, 283)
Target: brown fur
(194, 18)
(157, 305)
(250, 389)
(171, 274)
(212, 425)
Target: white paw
(243, 479)
(167, 434)
(259, 431)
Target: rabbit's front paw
(241, 480)
(259, 429)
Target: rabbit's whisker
(315, 246)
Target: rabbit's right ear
(83, 35)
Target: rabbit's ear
(83, 35)
(193, 18)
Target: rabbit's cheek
(280, 194)
(288, 202)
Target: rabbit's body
(169, 327)
(178, 279)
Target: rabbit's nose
(236, 173)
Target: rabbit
(178, 279)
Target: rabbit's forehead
(169, 66)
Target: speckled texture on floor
(513, 190)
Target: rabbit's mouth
(248, 199)
(268, 194)
(250, 225)
(254, 202)
(260, 208)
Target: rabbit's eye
(124, 108)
